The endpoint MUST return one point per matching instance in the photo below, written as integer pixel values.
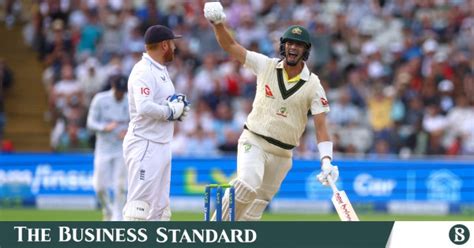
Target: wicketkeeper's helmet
(296, 33)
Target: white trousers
(149, 174)
(262, 165)
(110, 174)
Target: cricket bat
(342, 204)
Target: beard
(169, 55)
(293, 62)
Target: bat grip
(332, 184)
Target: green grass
(89, 215)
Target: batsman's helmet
(296, 33)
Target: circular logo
(459, 234)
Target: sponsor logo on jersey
(268, 91)
(282, 112)
(324, 102)
(163, 77)
(145, 91)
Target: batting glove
(327, 170)
(214, 12)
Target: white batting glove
(214, 12)
(327, 170)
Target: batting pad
(255, 210)
(136, 211)
(244, 195)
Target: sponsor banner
(194, 234)
(433, 234)
(28, 179)
(195, 204)
(422, 208)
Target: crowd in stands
(6, 81)
(399, 74)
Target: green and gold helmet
(296, 33)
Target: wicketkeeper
(147, 146)
(287, 93)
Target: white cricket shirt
(149, 85)
(105, 109)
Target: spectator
(91, 78)
(91, 33)
(67, 89)
(112, 37)
(174, 17)
(460, 125)
(446, 90)
(343, 112)
(6, 81)
(433, 120)
(202, 143)
(417, 141)
(75, 138)
(58, 46)
(379, 109)
(226, 129)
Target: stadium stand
(399, 74)
(25, 104)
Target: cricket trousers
(263, 167)
(110, 174)
(149, 174)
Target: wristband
(325, 149)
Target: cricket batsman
(108, 117)
(286, 94)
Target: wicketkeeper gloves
(179, 107)
(214, 12)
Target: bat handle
(332, 184)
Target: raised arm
(214, 12)
(227, 42)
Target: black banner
(194, 234)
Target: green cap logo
(296, 30)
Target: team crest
(282, 112)
(247, 147)
(268, 91)
(296, 30)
